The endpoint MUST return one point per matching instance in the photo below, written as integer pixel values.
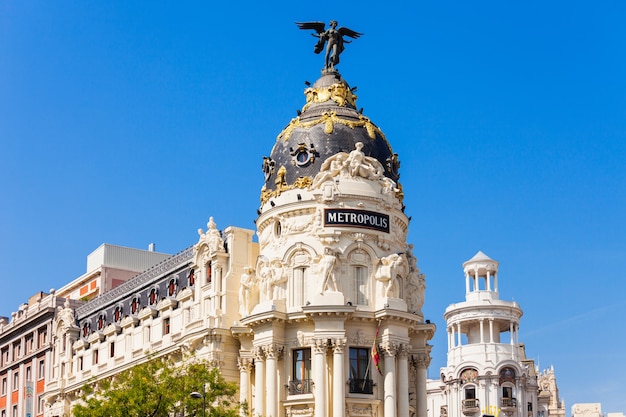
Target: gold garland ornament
(330, 118)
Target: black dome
(329, 123)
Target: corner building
(487, 370)
(321, 317)
(335, 277)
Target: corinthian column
(403, 381)
(389, 402)
(245, 365)
(339, 387)
(271, 354)
(259, 382)
(319, 376)
(421, 361)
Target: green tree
(160, 388)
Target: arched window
(154, 296)
(86, 329)
(171, 287)
(101, 321)
(359, 285)
(134, 305)
(118, 314)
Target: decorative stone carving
(389, 268)
(326, 267)
(212, 237)
(247, 291)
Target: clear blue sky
(132, 122)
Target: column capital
(339, 345)
(273, 351)
(320, 345)
(403, 350)
(389, 348)
(421, 360)
(259, 353)
(244, 364)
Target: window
(43, 335)
(507, 392)
(299, 290)
(153, 296)
(29, 374)
(5, 356)
(358, 289)
(41, 372)
(301, 373)
(171, 287)
(192, 278)
(95, 357)
(166, 325)
(40, 404)
(360, 380)
(80, 363)
(134, 305)
(112, 349)
(4, 385)
(17, 349)
(470, 393)
(14, 411)
(16, 380)
(3, 414)
(209, 273)
(360, 285)
(29, 344)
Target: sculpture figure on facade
(332, 37)
(354, 164)
(265, 281)
(246, 290)
(278, 280)
(212, 237)
(331, 168)
(327, 268)
(363, 166)
(388, 270)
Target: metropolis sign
(358, 218)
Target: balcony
(361, 386)
(508, 405)
(470, 406)
(298, 387)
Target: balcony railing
(471, 406)
(298, 387)
(508, 403)
(361, 386)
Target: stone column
(259, 383)
(482, 339)
(389, 400)
(271, 355)
(403, 381)
(245, 365)
(422, 360)
(319, 376)
(339, 386)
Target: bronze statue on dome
(332, 37)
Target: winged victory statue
(332, 37)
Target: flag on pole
(375, 354)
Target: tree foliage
(160, 388)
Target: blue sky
(132, 122)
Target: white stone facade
(487, 372)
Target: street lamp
(202, 395)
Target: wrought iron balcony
(298, 387)
(471, 406)
(361, 386)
